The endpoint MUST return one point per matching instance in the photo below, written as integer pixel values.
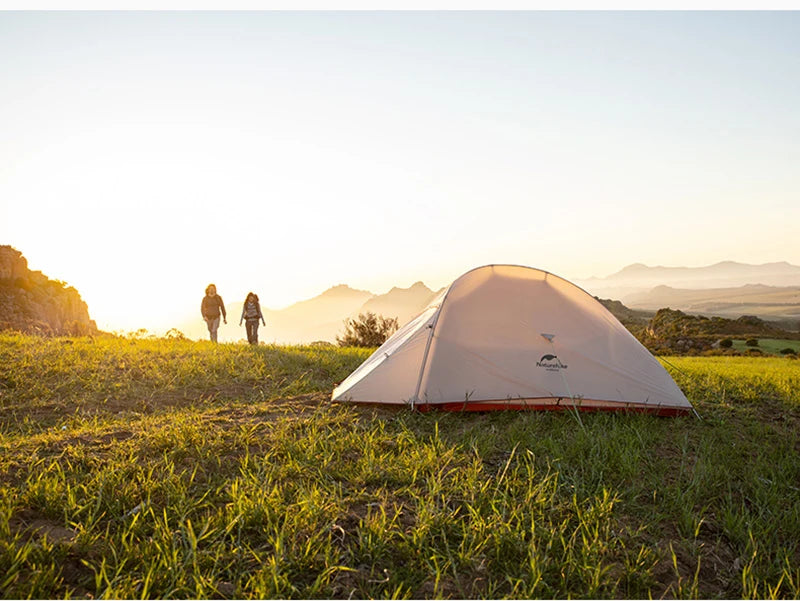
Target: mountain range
(770, 291)
(637, 278)
(320, 318)
(32, 302)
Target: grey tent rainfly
(514, 337)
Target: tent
(513, 337)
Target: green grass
(772, 346)
(175, 469)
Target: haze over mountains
(728, 289)
(770, 291)
(320, 318)
(767, 302)
(639, 278)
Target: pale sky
(144, 155)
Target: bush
(726, 343)
(788, 351)
(321, 344)
(367, 330)
(752, 342)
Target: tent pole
(431, 327)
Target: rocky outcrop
(31, 302)
(12, 264)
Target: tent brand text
(550, 363)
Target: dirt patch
(227, 590)
(464, 586)
(717, 564)
(116, 436)
(77, 575)
(33, 527)
(105, 439)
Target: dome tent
(513, 337)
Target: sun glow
(285, 153)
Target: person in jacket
(251, 313)
(210, 308)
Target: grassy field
(772, 346)
(173, 469)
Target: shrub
(175, 334)
(788, 351)
(752, 342)
(726, 343)
(367, 330)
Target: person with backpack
(251, 313)
(210, 308)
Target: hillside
(634, 320)
(770, 302)
(31, 302)
(674, 332)
(671, 331)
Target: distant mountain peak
(343, 290)
(416, 287)
(727, 264)
(723, 270)
(634, 268)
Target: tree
(726, 343)
(367, 330)
(752, 342)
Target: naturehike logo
(550, 363)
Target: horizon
(194, 330)
(147, 154)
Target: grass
(772, 346)
(175, 469)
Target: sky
(144, 155)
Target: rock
(12, 264)
(31, 302)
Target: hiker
(251, 313)
(210, 308)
